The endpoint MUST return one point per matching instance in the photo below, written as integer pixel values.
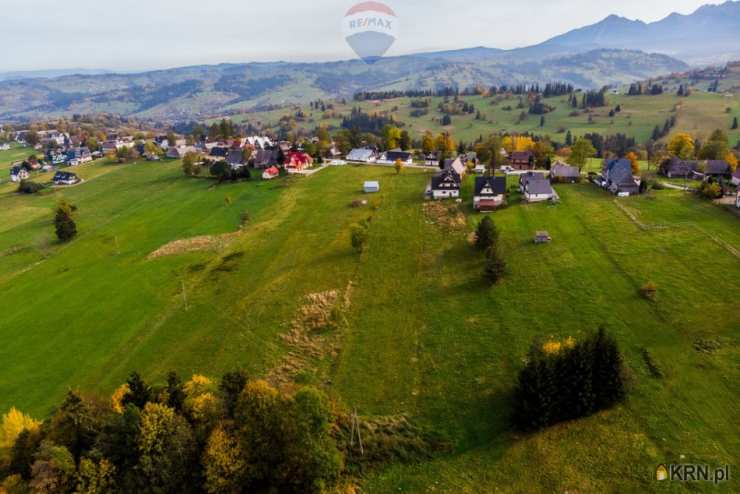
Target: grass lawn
(423, 335)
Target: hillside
(700, 114)
(422, 335)
(202, 91)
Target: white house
(490, 193)
(4, 147)
(737, 200)
(390, 157)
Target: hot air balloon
(370, 28)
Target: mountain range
(613, 51)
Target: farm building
(522, 160)
(371, 187)
(561, 172)
(65, 178)
(445, 185)
(618, 177)
(736, 177)
(737, 200)
(362, 155)
(678, 168)
(490, 193)
(179, 152)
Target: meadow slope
(422, 336)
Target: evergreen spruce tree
(139, 394)
(734, 124)
(175, 392)
(607, 371)
(486, 235)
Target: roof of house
(235, 157)
(679, 166)
(525, 178)
(496, 184)
(65, 176)
(397, 154)
(264, 157)
(456, 165)
(563, 170)
(737, 173)
(360, 154)
(448, 176)
(521, 156)
(619, 171)
(717, 167)
(539, 187)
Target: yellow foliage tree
(116, 400)
(681, 145)
(223, 461)
(731, 159)
(523, 143)
(634, 162)
(398, 165)
(14, 422)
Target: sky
(135, 35)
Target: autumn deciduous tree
(223, 463)
(13, 423)
(398, 165)
(632, 156)
(681, 145)
(581, 151)
(166, 450)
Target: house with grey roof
(560, 172)
(362, 155)
(717, 169)
(618, 178)
(538, 190)
(678, 168)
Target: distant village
(61, 153)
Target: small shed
(542, 237)
(371, 187)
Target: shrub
(568, 382)
(28, 187)
(66, 228)
(649, 290)
(710, 190)
(359, 235)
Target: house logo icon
(661, 473)
(370, 29)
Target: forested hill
(204, 91)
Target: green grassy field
(423, 335)
(700, 114)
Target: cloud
(143, 34)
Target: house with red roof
(296, 161)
